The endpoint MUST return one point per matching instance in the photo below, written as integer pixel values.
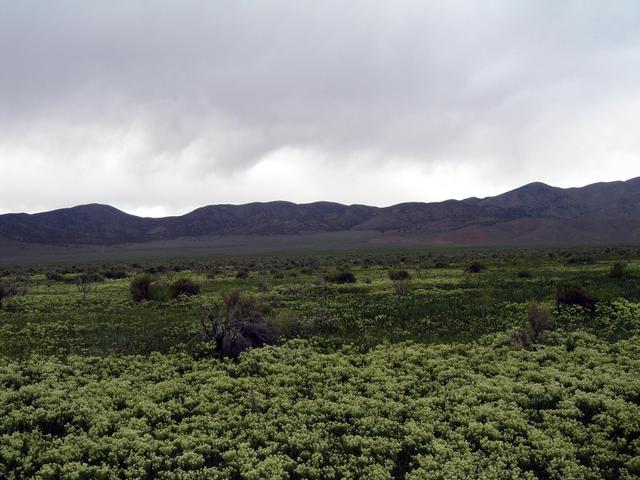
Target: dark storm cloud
(168, 105)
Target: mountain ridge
(536, 212)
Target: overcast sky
(158, 107)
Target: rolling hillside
(534, 213)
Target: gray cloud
(161, 106)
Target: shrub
(140, 287)
(401, 288)
(573, 293)
(159, 291)
(54, 276)
(114, 274)
(341, 277)
(475, 267)
(580, 260)
(10, 289)
(238, 324)
(290, 325)
(539, 319)
(93, 277)
(85, 284)
(399, 275)
(263, 285)
(184, 286)
(618, 270)
(242, 274)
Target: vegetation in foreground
(411, 365)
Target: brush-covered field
(422, 364)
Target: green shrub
(159, 291)
(290, 325)
(184, 286)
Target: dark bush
(263, 285)
(93, 277)
(140, 286)
(399, 275)
(341, 277)
(618, 270)
(475, 267)
(573, 293)
(242, 274)
(524, 274)
(184, 286)
(10, 289)
(54, 276)
(238, 324)
(213, 273)
(114, 274)
(580, 260)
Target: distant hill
(534, 213)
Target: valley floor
(445, 371)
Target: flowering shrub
(296, 411)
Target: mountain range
(535, 213)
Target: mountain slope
(534, 213)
